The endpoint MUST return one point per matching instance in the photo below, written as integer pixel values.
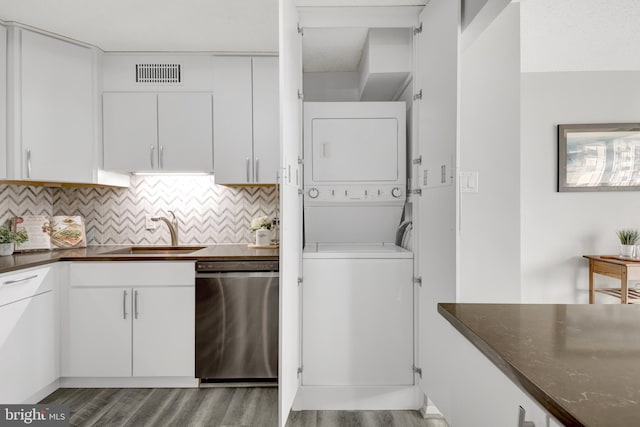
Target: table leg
(592, 293)
(625, 287)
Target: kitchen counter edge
(511, 371)
(19, 261)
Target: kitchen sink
(155, 250)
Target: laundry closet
(369, 137)
(357, 292)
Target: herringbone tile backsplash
(207, 213)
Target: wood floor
(211, 407)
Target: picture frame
(599, 157)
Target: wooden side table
(625, 270)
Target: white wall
(331, 86)
(119, 72)
(580, 35)
(558, 228)
(489, 144)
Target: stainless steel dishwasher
(237, 321)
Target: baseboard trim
(129, 382)
(42, 393)
(357, 398)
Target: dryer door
(354, 150)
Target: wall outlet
(149, 224)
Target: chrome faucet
(172, 224)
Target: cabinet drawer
(26, 283)
(131, 273)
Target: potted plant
(9, 238)
(628, 239)
(261, 226)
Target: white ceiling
(167, 25)
(155, 25)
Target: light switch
(468, 182)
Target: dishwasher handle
(244, 274)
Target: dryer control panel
(346, 194)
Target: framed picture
(599, 157)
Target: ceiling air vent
(158, 73)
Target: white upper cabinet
(54, 116)
(232, 109)
(147, 131)
(185, 132)
(51, 115)
(246, 111)
(266, 120)
(130, 131)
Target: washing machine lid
(355, 250)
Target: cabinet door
(357, 319)
(435, 212)
(3, 101)
(130, 131)
(483, 395)
(28, 347)
(163, 331)
(56, 109)
(185, 132)
(232, 112)
(99, 342)
(266, 120)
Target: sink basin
(155, 250)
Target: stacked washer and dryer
(357, 295)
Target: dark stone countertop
(580, 362)
(19, 261)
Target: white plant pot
(627, 251)
(263, 237)
(6, 249)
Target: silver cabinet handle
(13, 282)
(161, 157)
(255, 170)
(521, 421)
(248, 166)
(124, 305)
(151, 149)
(28, 163)
(135, 304)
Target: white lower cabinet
(163, 332)
(357, 322)
(484, 395)
(120, 324)
(29, 335)
(99, 333)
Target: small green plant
(628, 236)
(260, 222)
(8, 236)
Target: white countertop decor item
(263, 237)
(261, 226)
